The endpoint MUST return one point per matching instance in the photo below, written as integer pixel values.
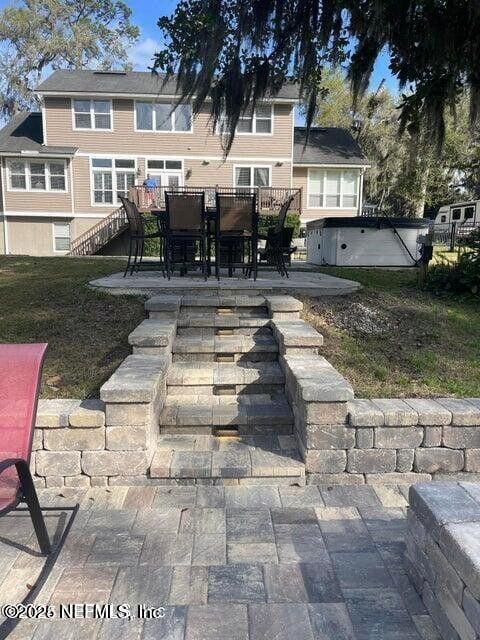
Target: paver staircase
(225, 415)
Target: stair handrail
(100, 234)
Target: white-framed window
(167, 173)
(18, 174)
(332, 188)
(92, 114)
(111, 178)
(61, 237)
(162, 117)
(252, 176)
(37, 175)
(258, 122)
(161, 165)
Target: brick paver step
(225, 344)
(268, 459)
(215, 411)
(223, 320)
(223, 301)
(215, 374)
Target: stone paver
(251, 563)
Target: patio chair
(137, 237)
(277, 250)
(185, 228)
(236, 230)
(21, 367)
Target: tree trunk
(422, 195)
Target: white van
(461, 213)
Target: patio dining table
(211, 218)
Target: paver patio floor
(233, 563)
(268, 281)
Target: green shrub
(152, 246)
(266, 221)
(460, 277)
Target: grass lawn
(46, 300)
(393, 339)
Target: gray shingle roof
(326, 145)
(130, 83)
(24, 133)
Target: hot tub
(365, 242)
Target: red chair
(20, 372)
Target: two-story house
(99, 133)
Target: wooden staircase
(95, 238)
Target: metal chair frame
(246, 240)
(26, 492)
(179, 238)
(137, 237)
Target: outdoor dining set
(189, 234)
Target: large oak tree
(234, 52)
(38, 35)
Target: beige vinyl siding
(41, 201)
(300, 181)
(81, 225)
(2, 235)
(82, 188)
(221, 173)
(200, 175)
(124, 138)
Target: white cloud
(142, 53)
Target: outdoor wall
(2, 235)
(441, 558)
(201, 142)
(31, 235)
(396, 441)
(300, 181)
(41, 201)
(199, 174)
(222, 173)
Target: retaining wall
(442, 556)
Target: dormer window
(92, 114)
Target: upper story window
(456, 214)
(469, 213)
(260, 121)
(111, 178)
(92, 114)
(332, 189)
(161, 116)
(37, 175)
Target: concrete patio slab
(300, 282)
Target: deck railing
(270, 199)
(88, 243)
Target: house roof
(326, 145)
(23, 134)
(133, 83)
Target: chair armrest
(6, 464)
